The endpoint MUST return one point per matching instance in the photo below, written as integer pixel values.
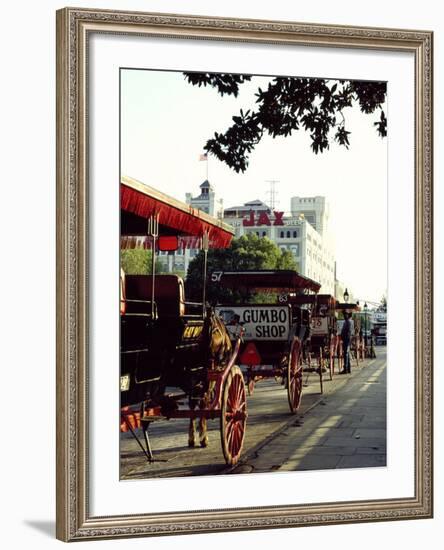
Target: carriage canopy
(138, 202)
(272, 280)
(346, 306)
(318, 299)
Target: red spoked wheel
(233, 416)
(294, 377)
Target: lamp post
(346, 295)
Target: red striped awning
(184, 242)
(138, 202)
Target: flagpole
(204, 157)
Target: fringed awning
(128, 242)
(138, 202)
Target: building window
(281, 234)
(295, 234)
(264, 233)
(288, 234)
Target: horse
(218, 349)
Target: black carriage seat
(169, 295)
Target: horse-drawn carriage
(321, 349)
(273, 332)
(167, 342)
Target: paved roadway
(343, 428)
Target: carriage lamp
(346, 295)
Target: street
(345, 427)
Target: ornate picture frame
(74, 519)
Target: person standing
(346, 335)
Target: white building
(205, 201)
(311, 249)
(315, 210)
(303, 232)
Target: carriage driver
(346, 335)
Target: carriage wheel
(294, 377)
(233, 416)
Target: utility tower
(272, 194)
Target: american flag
(203, 156)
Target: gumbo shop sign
(259, 322)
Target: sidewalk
(346, 429)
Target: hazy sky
(167, 121)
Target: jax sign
(260, 322)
